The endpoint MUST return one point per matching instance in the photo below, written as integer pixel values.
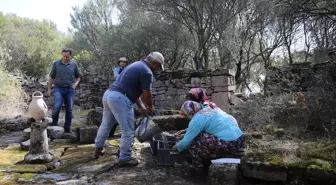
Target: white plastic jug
(37, 107)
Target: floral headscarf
(198, 95)
(190, 108)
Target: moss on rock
(12, 178)
(10, 155)
(81, 157)
(28, 168)
(83, 113)
(325, 151)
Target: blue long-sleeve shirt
(211, 121)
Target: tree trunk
(39, 149)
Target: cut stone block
(264, 171)
(55, 132)
(87, 135)
(223, 174)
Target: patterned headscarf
(190, 108)
(198, 95)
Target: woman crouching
(210, 134)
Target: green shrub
(11, 94)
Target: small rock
(26, 133)
(55, 132)
(50, 166)
(57, 164)
(257, 135)
(73, 182)
(24, 181)
(25, 145)
(279, 132)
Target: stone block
(161, 92)
(168, 83)
(195, 81)
(190, 85)
(171, 122)
(205, 86)
(95, 116)
(55, 132)
(225, 88)
(160, 97)
(264, 171)
(87, 135)
(235, 100)
(74, 134)
(219, 81)
(222, 100)
(223, 174)
(206, 80)
(161, 89)
(158, 83)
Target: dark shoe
(99, 152)
(132, 162)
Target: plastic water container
(161, 138)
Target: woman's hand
(179, 136)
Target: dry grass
(11, 95)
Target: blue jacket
(212, 121)
(116, 70)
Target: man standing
(135, 80)
(122, 63)
(66, 76)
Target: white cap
(157, 56)
(124, 59)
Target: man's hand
(152, 110)
(147, 99)
(74, 86)
(144, 111)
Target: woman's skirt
(206, 147)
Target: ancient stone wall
(302, 78)
(310, 94)
(169, 88)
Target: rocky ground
(272, 157)
(77, 166)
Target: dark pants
(66, 95)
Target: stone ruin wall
(169, 88)
(312, 78)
